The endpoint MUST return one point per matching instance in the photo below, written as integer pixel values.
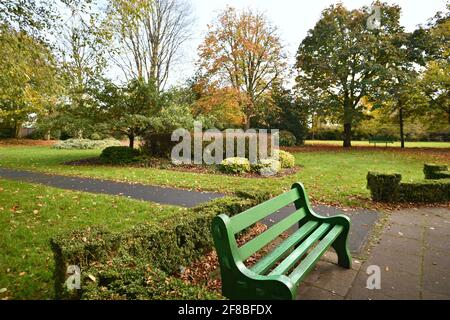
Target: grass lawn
(380, 145)
(30, 215)
(334, 177)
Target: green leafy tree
(129, 109)
(435, 81)
(342, 61)
(29, 80)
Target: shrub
(388, 188)
(235, 165)
(287, 159)
(168, 246)
(266, 167)
(435, 171)
(383, 187)
(86, 144)
(134, 279)
(287, 139)
(430, 191)
(119, 155)
(160, 145)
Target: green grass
(395, 144)
(31, 214)
(337, 177)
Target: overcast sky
(293, 18)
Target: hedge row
(128, 278)
(389, 188)
(436, 171)
(166, 247)
(160, 145)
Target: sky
(293, 18)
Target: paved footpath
(170, 196)
(413, 254)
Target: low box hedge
(160, 145)
(383, 187)
(166, 247)
(436, 171)
(437, 191)
(389, 188)
(128, 278)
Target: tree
(29, 78)
(284, 111)
(242, 51)
(148, 35)
(129, 109)
(435, 81)
(342, 61)
(82, 45)
(223, 104)
(31, 17)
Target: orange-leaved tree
(242, 52)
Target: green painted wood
(271, 234)
(255, 214)
(268, 261)
(301, 250)
(309, 262)
(241, 282)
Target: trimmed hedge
(119, 155)
(166, 247)
(389, 188)
(133, 279)
(160, 145)
(383, 187)
(436, 171)
(425, 192)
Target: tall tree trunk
(17, 128)
(131, 138)
(401, 122)
(347, 135)
(348, 119)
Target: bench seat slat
(255, 214)
(300, 251)
(259, 242)
(268, 261)
(306, 265)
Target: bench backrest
(251, 216)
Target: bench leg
(340, 246)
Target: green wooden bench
(278, 274)
(376, 140)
